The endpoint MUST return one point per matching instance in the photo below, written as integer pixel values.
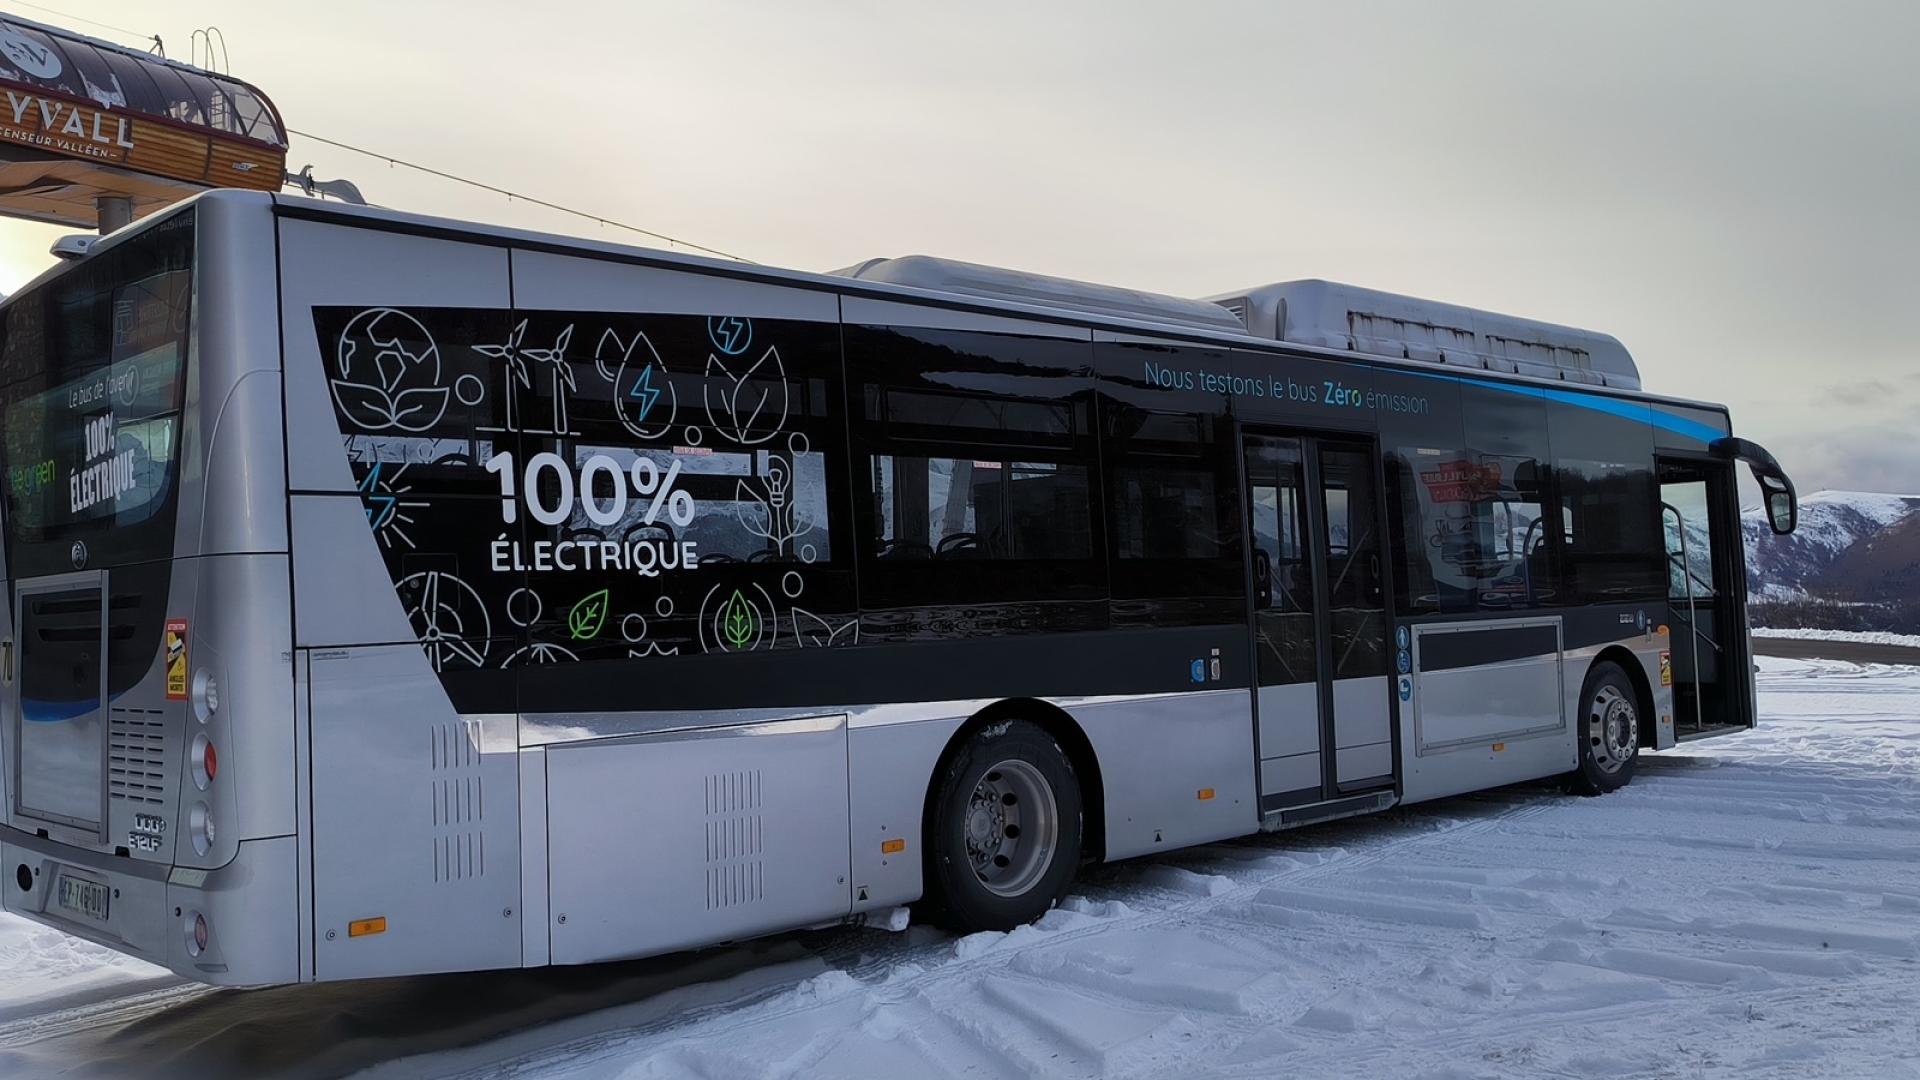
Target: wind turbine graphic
(511, 356)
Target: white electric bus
(393, 595)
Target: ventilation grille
(137, 755)
(736, 839)
(459, 803)
(1238, 306)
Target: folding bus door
(1319, 619)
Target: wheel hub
(1613, 728)
(1011, 827)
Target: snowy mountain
(1846, 544)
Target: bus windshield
(92, 376)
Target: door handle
(6, 662)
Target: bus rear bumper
(249, 905)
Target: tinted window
(1609, 507)
(1356, 598)
(1283, 593)
(1173, 508)
(975, 475)
(92, 379)
(1482, 542)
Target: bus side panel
(664, 842)
(1486, 706)
(1177, 769)
(891, 769)
(415, 822)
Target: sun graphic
(383, 494)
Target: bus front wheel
(1608, 731)
(1006, 828)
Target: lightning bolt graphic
(728, 330)
(388, 504)
(643, 390)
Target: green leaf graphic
(738, 621)
(588, 616)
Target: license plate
(84, 897)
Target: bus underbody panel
(663, 842)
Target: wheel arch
(1066, 731)
(1625, 660)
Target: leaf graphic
(745, 425)
(418, 410)
(753, 368)
(737, 621)
(812, 630)
(759, 524)
(588, 616)
(746, 396)
(365, 405)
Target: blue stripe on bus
(1639, 411)
(53, 712)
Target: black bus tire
(1607, 731)
(1004, 836)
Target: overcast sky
(1732, 189)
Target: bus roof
(1230, 335)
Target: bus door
(1700, 523)
(1319, 619)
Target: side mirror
(1783, 510)
(1783, 507)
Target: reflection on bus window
(973, 508)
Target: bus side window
(974, 468)
(1613, 531)
(1172, 490)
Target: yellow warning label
(176, 659)
(1666, 669)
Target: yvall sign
(146, 129)
(37, 120)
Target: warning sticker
(1666, 669)
(176, 659)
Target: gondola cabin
(93, 134)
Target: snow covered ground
(1866, 637)
(1749, 907)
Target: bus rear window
(92, 374)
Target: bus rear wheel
(1005, 830)
(1608, 731)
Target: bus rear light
(204, 761)
(205, 695)
(200, 828)
(198, 933)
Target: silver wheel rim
(1613, 728)
(1011, 828)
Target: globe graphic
(387, 373)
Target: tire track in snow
(944, 965)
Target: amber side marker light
(892, 847)
(1499, 746)
(1205, 794)
(366, 927)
